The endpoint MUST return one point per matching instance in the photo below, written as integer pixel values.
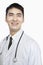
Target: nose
(15, 18)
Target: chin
(15, 29)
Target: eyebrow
(17, 13)
(10, 13)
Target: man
(17, 48)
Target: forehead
(14, 10)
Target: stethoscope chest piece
(15, 60)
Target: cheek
(20, 20)
(9, 18)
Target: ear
(5, 18)
(23, 20)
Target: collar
(17, 35)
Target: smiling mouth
(14, 24)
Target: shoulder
(3, 40)
(31, 43)
(2, 43)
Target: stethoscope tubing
(18, 44)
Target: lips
(14, 24)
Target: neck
(12, 32)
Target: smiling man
(18, 48)
(14, 18)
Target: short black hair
(16, 5)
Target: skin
(14, 19)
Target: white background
(33, 20)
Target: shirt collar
(17, 35)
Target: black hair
(16, 5)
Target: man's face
(14, 19)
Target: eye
(10, 14)
(19, 14)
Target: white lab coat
(28, 52)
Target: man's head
(15, 16)
(15, 5)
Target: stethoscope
(15, 56)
